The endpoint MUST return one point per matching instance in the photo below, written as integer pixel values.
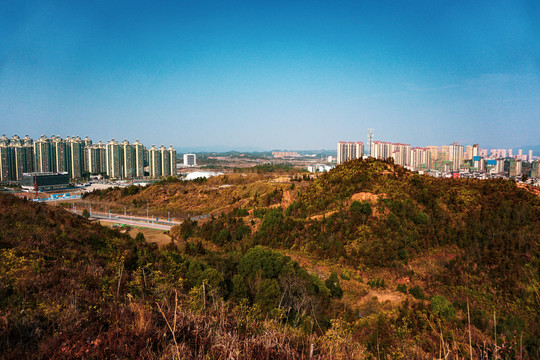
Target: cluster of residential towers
(446, 158)
(78, 157)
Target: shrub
(360, 208)
(268, 294)
(332, 283)
(440, 306)
(345, 275)
(402, 288)
(417, 292)
(377, 283)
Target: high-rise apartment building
(114, 159)
(59, 155)
(515, 168)
(349, 150)
(128, 160)
(139, 151)
(75, 157)
(421, 158)
(28, 144)
(445, 153)
(499, 168)
(433, 152)
(5, 159)
(381, 150)
(456, 156)
(42, 155)
(154, 162)
(16, 157)
(341, 152)
(530, 157)
(172, 161)
(401, 153)
(96, 158)
(87, 142)
(535, 169)
(359, 150)
(468, 153)
(165, 161)
(475, 150)
(21, 157)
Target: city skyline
(272, 76)
(184, 150)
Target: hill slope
(368, 261)
(74, 289)
(449, 241)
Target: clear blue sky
(272, 74)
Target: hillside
(368, 261)
(198, 197)
(70, 288)
(414, 240)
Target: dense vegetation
(275, 279)
(370, 215)
(70, 288)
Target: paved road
(132, 221)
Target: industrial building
(45, 181)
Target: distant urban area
(454, 160)
(56, 162)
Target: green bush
(332, 283)
(377, 283)
(440, 306)
(417, 292)
(360, 208)
(268, 294)
(402, 288)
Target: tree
(442, 307)
(332, 283)
(140, 237)
(268, 293)
(85, 214)
(360, 210)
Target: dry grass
(216, 195)
(151, 235)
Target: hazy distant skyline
(295, 75)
